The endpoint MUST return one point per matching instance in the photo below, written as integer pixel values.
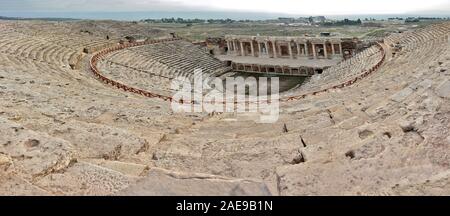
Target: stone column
(314, 50)
(306, 49)
(298, 50)
(325, 50)
(253, 48)
(242, 49)
(332, 49)
(259, 48)
(290, 50)
(266, 44)
(229, 47)
(340, 49)
(275, 55)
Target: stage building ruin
(297, 56)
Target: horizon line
(239, 15)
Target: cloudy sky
(312, 7)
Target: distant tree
(343, 22)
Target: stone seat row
(181, 55)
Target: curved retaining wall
(99, 55)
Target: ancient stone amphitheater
(81, 114)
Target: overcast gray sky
(322, 7)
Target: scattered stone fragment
(32, 143)
(365, 134)
(407, 126)
(5, 162)
(300, 158)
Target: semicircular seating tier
(353, 67)
(152, 67)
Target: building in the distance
(285, 47)
(287, 55)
